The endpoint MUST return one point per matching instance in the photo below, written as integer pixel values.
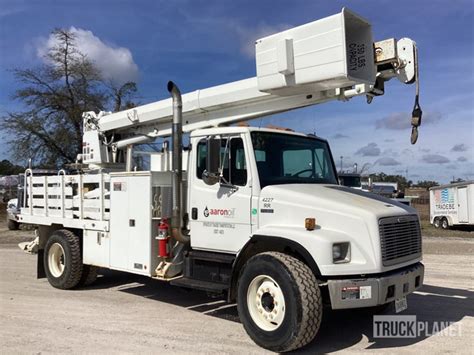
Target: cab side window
(238, 165)
(201, 158)
(232, 160)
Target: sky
(199, 44)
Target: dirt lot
(126, 313)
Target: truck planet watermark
(409, 327)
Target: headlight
(341, 253)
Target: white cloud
(390, 152)
(402, 120)
(370, 150)
(407, 153)
(339, 136)
(116, 64)
(387, 161)
(459, 148)
(435, 159)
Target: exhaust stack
(177, 165)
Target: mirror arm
(224, 183)
(221, 172)
(233, 188)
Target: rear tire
(436, 222)
(279, 302)
(63, 259)
(13, 225)
(444, 223)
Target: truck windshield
(288, 159)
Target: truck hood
(342, 215)
(341, 199)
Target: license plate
(401, 304)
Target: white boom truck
(254, 213)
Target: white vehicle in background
(12, 214)
(452, 205)
(254, 213)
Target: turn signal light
(310, 223)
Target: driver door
(220, 213)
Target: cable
(417, 112)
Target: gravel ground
(126, 313)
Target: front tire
(63, 259)
(279, 302)
(437, 222)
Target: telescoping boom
(330, 59)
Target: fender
(450, 220)
(262, 243)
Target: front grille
(400, 239)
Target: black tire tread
(76, 258)
(311, 299)
(444, 219)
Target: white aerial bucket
(336, 51)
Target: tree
(123, 95)
(7, 168)
(426, 183)
(55, 95)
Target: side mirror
(211, 175)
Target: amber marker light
(310, 223)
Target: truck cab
(253, 165)
(279, 189)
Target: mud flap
(40, 272)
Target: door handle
(194, 213)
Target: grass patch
(427, 230)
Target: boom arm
(293, 70)
(216, 106)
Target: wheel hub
(266, 303)
(56, 260)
